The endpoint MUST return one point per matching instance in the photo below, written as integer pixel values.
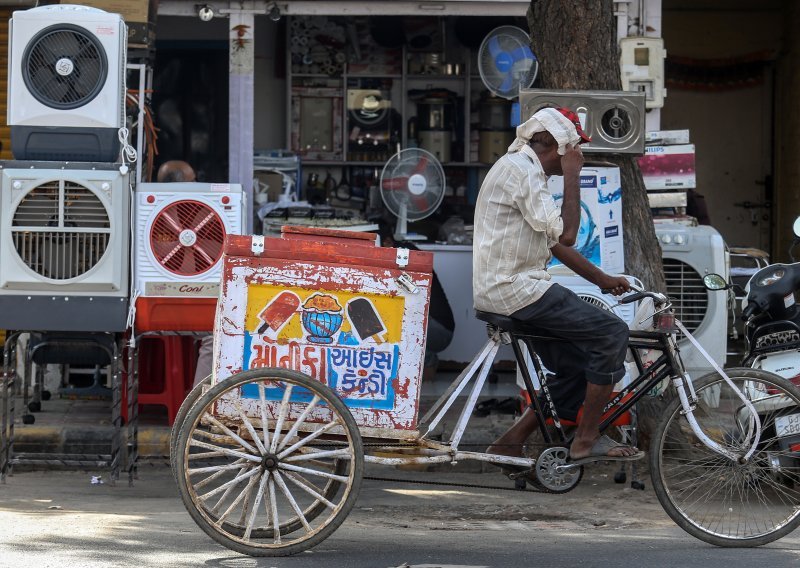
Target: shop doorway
(190, 104)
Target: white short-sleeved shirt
(516, 223)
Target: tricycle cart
(319, 342)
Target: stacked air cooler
(65, 200)
(180, 233)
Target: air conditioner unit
(615, 120)
(591, 294)
(689, 253)
(180, 233)
(66, 83)
(64, 237)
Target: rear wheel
(719, 500)
(269, 462)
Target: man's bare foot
(602, 447)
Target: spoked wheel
(180, 417)
(269, 462)
(719, 500)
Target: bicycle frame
(667, 366)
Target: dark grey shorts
(593, 348)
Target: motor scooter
(772, 342)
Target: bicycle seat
(507, 323)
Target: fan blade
(48, 83)
(171, 221)
(400, 183)
(522, 53)
(189, 264)
(201, 218)
(420, 202)
(171, 253)
(212, 247)
(421, 165)
(198, 250)
(494, 46)
(507, 83)
(161, 248)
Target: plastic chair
(165, 365)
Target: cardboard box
(600, 237)
(668, 167)
(139, 16)
(667, 137)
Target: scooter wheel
(35, 406)
(637, 485)
(28, 419)
(620, 477)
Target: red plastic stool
(164, 368)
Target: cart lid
(329, 246)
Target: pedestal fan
(412, 188)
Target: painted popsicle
(275, 314)
(365, 319)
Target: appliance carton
(668, 167)
(600, 236)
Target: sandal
(600, 449)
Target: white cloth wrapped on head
(551, 120)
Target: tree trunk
(576, 44)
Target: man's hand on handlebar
(616, 285)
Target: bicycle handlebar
(638, 294)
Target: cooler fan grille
(689, 295)
(60, 230)
(186, 238)
(617, 123)
(589, 299)
(64, 67)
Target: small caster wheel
(519, 483)
(46, 395)
(28, 419)
(620, 477)
(637, 485)
(35, 406)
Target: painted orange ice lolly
(365, 320)
(275, 314)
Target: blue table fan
(506, 62)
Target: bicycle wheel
(250, 456)
(716, 499)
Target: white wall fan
(412, 188)
(506, 62)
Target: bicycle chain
(454, 484)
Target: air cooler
(689, 253)
(180, 233)
(64, 236)
(66, 83)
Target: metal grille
(689, 295)
(595, 302)
(64, 67)
(60, 230)
(187, 237)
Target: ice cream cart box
(335, 306)
(600, 236)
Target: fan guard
(412, 184)
(617, 123)
(187, 237)
(64, 67)
(506, 62)
(61, 230)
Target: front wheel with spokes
(269, 462)
(720, 500)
